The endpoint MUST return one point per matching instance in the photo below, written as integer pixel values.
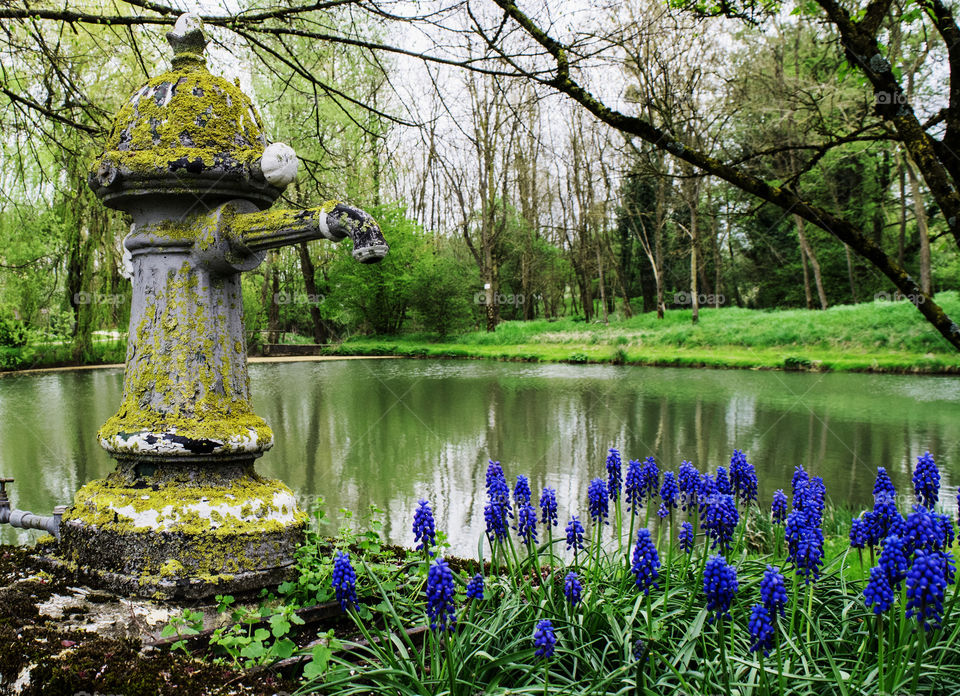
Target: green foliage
(189, 623)
(441, 293)
(13, 333)
(377, 296)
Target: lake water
(387, 432)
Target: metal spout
(271, 229)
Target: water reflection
(384, 433)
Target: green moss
(176, 382)
(189, 109)
(209, 549)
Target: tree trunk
(320, 333)
(806, 279)
(853, 286)
(920, 213)
(603, 292)
(814, 264)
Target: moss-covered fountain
(185, 514)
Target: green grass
(870, 337)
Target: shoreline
(723, 358)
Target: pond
(387, 432)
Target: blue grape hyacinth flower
(527, 524)
(521, 491)
(424, 527)
(344, 580)
(743, 478)
(632, 486)
(719, 585)
(761, 629)
(572, 589)
(804, 544)
(926, 481)
(597, 501)
(646, 561)
(708, 489)
(544, 639)
(574, 531)
(669, 492)
(475, 587)
(649, 478)
(685, 537)
(719, 520)
(894, 561)
(878, 593)
(886, 519)
(883, 485)
(548, 507)
(614, 474)
(688, 481)
(921, 531)
(495, 516)
(798, 486)
(440, 594)
(926, 582)
(778, 508)
(773, 591)
(723, 482)
(858, 538)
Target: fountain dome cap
(185, 133)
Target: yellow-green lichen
(176, 381)
(199, 547)
(188, 109)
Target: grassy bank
(873, 337)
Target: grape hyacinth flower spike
(521, 491)
(527, 524)
(548, 507)
(688, 481)
(719, 585)
(883, 485)
(597, 501)
(649, 478)
(614, 474)
(926, 481)
(685, 537)
(572, 589)
(632, 491)
(440, 593)
(344, 580)
(720, 519)
(773, 591)
(778, 509)
(646, 561)
(926, 582)
(723, 482)
(544, 639)
(574, 531)
(475, 587)
(743, 478)
(878, 592)
(894, 561)
(424, 527)
(669, 492)
(761, 629)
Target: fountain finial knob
(187, 40)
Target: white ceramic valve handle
(279, 164)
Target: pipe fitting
(24, 519)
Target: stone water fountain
(185, 514)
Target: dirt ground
(61, 639)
